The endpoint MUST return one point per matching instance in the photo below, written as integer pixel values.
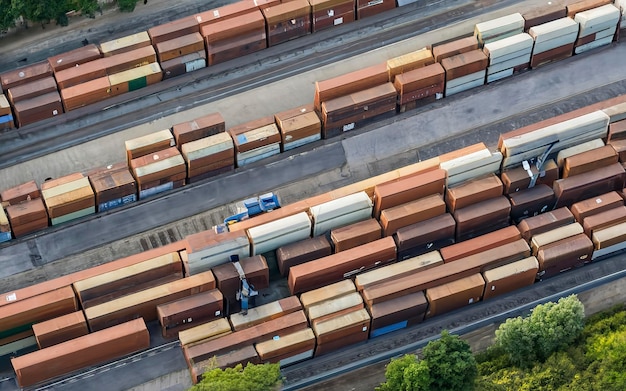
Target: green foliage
(126, 5)
(550, 327)
(8, 15)
(265, 377)
(451, 362)
(406, 373)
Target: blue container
(388, 329)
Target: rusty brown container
(143, 303)
(334, 345)
(348, 83)
(604, 219)
(464, 64)
(425, 236)
(32, 89)
(556, 54)
(80, 74)
(129, 60)
(276, 327)
(24, 192)
(27, 217)
(185, 64)
(333, 268)
(412, 212)
(86, 93)
(584, 5)
(60, 329)
(74, 57)
(531, 202)
(544, 14)
(422, 79)
(38, 108)
(455, 294)
(265, 312)
(473, 191)
(179, 46)
(25, 75)
(255, 269)
(198, 128)
(175, 29)
(228, 49)
(287, 21)
(563, 255)
(227, 12)
(248, 23)
(545, 222)
(479, 244)
(297, 124)
(459, 46)
(589, 161)
(81, 352)
(244, 144)
(326, 14)
(406, 189)
(17, 316)
(367, 8)
(617, 130)
(190, 311)
(517, 179)
(483, 217)
(589, 184)
(301, 252)
(112, 184)
(510, 277)
(409, 309)
(356, 234)
(595, 205)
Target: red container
(74, 57)
(25, 75)
(198, 128)
(287, 21)
(365, 8)
(32, 89)
(175, 29)
(326, 14)
(39, 108)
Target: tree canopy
(264, 377)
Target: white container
(491, 166)
(301, 142)
(74, 215)
(597, 19)
(270, 236)
(499, 75)
(257, 154)
(217, 254)
(512, 63)
(207, 146)
(499, 28)
(563, 40)
(510, 47)
(472, 77)
(194, 65)
(575, 150)
(593, 45)
(341, 212)
(160, 165)
(554, 29)
(466, 86)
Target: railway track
(236, 76)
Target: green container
(138, 83)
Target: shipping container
(464, 64)
(68, 197)
(367, 8)
(564, 254)
(205, 331)
(74, 57)
(346, 264)
(25, 75)
(584, 5)
(425, 236)
(424, 84)
(263, 313)
(604, 219)
(340, 212)
(207, 155)
(205, 126)
(590, 160)
(86, 93)
(516, 179)
(328, 292)
(174, 29)
(88, 350)
(241, 356)
(208, 249)
(287, 349)
(227, 12)
(341, 330)
(609, 236)
(349, 302)
(356, 234)
(348, 83)
(482, 217)
(179, 46)
(24, 192)
(228, 280)
(479, 244)
(531, 202)
(189, 311)
(286, 21)
(27, 217)
(458, 46)
(298, 126)
(255, 134)
(591, 206)
(301, 252)
(543, 239)
(510, 277)
(82, 73)
(328, 13)
(396, 314)
(149, 144)
(455, 294)
(412, 212)
(473, 191)
(143, 303)
(545, 222)
(31, 89)
(5, 228)
(159, 172)
(125, 44)
(408, 62)
(60, 329)
(129, 279)
(280, 232)
(136, 78)
(184, 64)
(544, 14)
(38, 108)
(113, 186)
(499, 28)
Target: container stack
(544, 14)
(25, 75)
(174, 29)
(182, 54)
(356, 234)
(134, 79)
(60, 329)
(597, 27)
(68, 198)
(31, 89)
(125, 44)
(190, 311)
(334, 268)
(408, 62)
(86, 93)
(420, 86)
(25, 209)
(208, 156)
(298, 127)
(465, 71)
(229, 282)
(255, 140)
(455, 294)
(337, 316)
(617, 138)
(366, 8)
(114, 186)
(159, 172)
(287, 21)
(274, 234)
(452, 48)
(336, 92)
(510, 277)
(150, 143)
(340, 212)
(499, 28)
(329, 13)
(198, 128)
(74, 57)
(208, 249)
(230, 38)
(469, 162)
(553, 41)
(525, 177)
(532, 142)
(508, 55)
(300, 252)
(38, 108)
(6, 115)
(404, 310)
(411, 212)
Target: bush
(451, 362)
(126, 5)
(550, 327)
(265, 377)
(406, 373)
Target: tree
(406, 373)
(8, 15)
(451, 362)
(265, 377)
(127, 5)
(550, 327)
